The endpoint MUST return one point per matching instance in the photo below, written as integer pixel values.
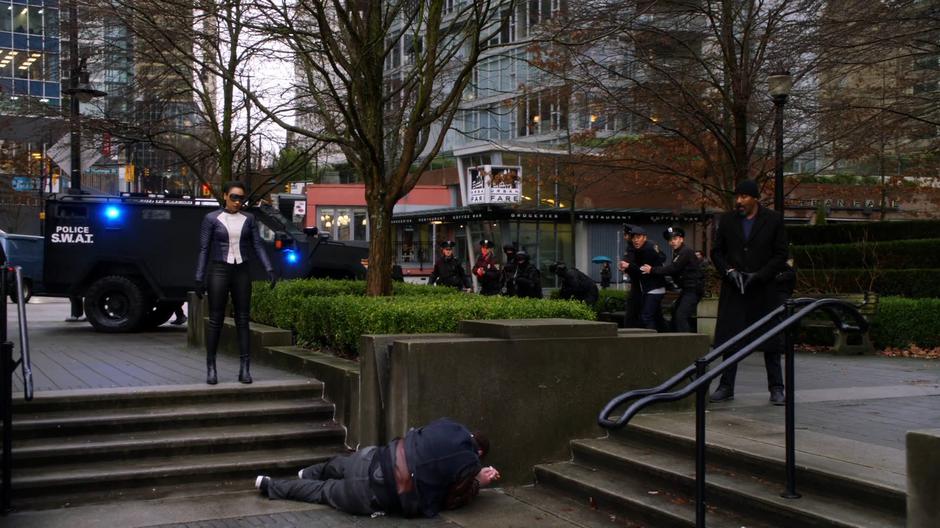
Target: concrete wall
(923, 483)
(531, 385)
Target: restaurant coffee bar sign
(494, 184)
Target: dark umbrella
(600, 258)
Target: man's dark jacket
(439, 455)
(448, 271)
(577, 285)
(528, 281)
(685, 269)
(646, 254)
(764, 254)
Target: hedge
(902, 322)
(897, 254)
(906, 282)
(338, 321)
(800, 235)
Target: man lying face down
(433, 468)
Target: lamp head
(779, 84)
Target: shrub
(905, 282)
(800, 235)
(902, 322)
(338, 319)
(898, 254)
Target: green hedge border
(800, 235)
(327, 314)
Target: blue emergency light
(291, 256)
(112, 212)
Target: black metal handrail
(700, 379)
(8, 367)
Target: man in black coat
(685, 271)
(652, 287)
(509, 270)
(448, 270)
(575, 284)
(634, 301)
(749, 250)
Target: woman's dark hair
(231, 184)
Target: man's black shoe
(722, 394)
(777, 397)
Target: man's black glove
(200, 289)
(736, 278)
(272, 277)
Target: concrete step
(226, 438)
(153, 477)
(122, 397)
(633, 497)
(176, 415)
(745, 447)
(749, 493)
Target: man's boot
(211, 377)
(244, 375)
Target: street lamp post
(779, 85)
(81, 92)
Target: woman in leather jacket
(228, 241)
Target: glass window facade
(29, 55)
(343, 223)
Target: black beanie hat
(748, 188)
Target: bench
(848, 342)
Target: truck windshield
(284, 224)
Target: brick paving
(74, 356)
(321, 518)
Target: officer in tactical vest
(448, 270)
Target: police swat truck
(133, 257)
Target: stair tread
(876, 467)
(132, 414)
(157, 467)
(633, 490)
(85, 444)
(118, 395)
(754, 488)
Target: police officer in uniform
(527, 277)
(487, 269)
(448, 271)
(634, 301)
(687, 274)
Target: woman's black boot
(244, 375)
(211, 377)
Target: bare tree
(187, 61)
(692, 74)
(384, 81)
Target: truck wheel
(115, 304)
(27, 292)
(158, 314)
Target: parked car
(26, 252)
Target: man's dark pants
(652, 314)
(345, 483)
(683, 311)
(772, 350)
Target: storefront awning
(496, 212)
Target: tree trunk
(381, 256)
